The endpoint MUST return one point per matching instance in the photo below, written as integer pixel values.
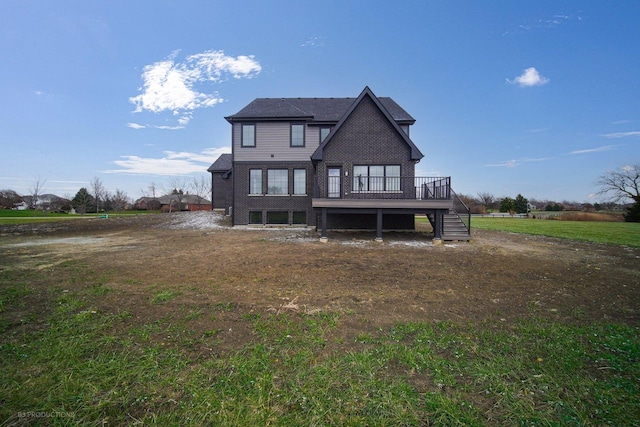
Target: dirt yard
(234, 273)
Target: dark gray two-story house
(331, 163)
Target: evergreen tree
(521, 204)
(633, 212)
(507, 205)
(83, 201)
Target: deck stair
(453, 227)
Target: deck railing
(386, 187)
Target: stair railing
(463, 212)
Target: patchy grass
(87, 365)
(163, 296)
(615, 233)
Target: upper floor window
(248, 135)
(324, 132)
(376, 178)
(297, 135)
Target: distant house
(147, 204)
(48, 202)
(173, 202)
(331, 163)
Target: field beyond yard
(177, 319)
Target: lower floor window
(299, 217)
(277, 217)
(255, 217)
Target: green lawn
(82, 366)
(617, 233)
(67, 361)
(8, 216)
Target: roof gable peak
(367, 92)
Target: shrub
(588, 216)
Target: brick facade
(245, 203)
(367, 138)
(221, 185)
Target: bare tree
(201, 187)
(36, 192)
(99, 192)
(120, 200)
(487, 200)
(9, 198)
(178, 185)
(153, 190)
(621, 184)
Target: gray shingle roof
(317, 109)
(222, 164)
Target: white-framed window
(248, 135)
(299, 181)
(255, 181)
(376, 178)
(297, 135)
(277, 181)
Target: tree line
(616, 186)
(96, 198)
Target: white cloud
(529, 77)
(594, 150)
(314, 42)
(538, 130)
(621, 134)
(543, 24)
(513, 162)
(170, 164)
(174, 86)
(506, 164)
(166, 127)
(537, 159)
(135, 126)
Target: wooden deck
(408, 204)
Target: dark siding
(244, 203)
(221, 192)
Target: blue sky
(537, 98)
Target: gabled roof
(415, 152)
(322, 110)
(222, 164)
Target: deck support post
(379, 225)
(323, 234)
(437, 227)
